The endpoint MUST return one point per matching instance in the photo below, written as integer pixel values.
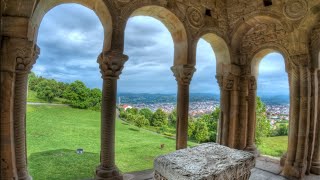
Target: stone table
(209, 161)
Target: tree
(94, 99)
(140, 121)
(263, 127)
(134, 111)
(201, 131)
(147, 113)
(191, 128)
(47, 90)
(77, 94)
(172, 117)
(159, 118)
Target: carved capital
(111, 64)
(229, 82)
(252, 83)
(220, 81)
(300, 60)
(183, 73)
(26, 57)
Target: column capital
(220, 80)
(230, 82)
(252, 83)
(111, 64)
(183, 73)
(26, 57)
(300, 60)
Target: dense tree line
(76, 94)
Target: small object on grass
(79, 151)
(161, 146)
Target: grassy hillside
(274, 146)
(54, 133)
(32, 97)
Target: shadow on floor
(62, 164)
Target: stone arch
(175, 27)
(220, 48)
(250, 22)
(258, 55)
(98, 6)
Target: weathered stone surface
(206, 161)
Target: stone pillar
(243, 113)
(111, 65)
(26, 57)
(251, 129)
(183, 74)
(228, 121)
(221, 116)
(299, 126)
(315, 163)
(294, 84)
(17, 58)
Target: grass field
(274, 146)
(55, 132)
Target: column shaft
(183, 109)
(8, 164)
(315, 164)
(243, 120)
(20, 98)
(252, 116)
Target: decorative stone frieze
(183, 73)
(111, 64)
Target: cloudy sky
(71, 38)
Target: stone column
(243, 113)
(229, 110)
(183, 74)
(26, 57)
(251, 129)
(111, 65)
(221, 117)
(17, 58)
(315, 163)
(294, 83)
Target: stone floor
(266, 169)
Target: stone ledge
(206, 161)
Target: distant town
(199, 104)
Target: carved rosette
(195, 17)
(26, 57)
(111, 64)
(295, 9)
(183, 73)
(252, 83)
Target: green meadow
(55, 132)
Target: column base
(25, 176)
(103, 173)
(315, 168)
(297, 170)
(252, 149)
(283, 159)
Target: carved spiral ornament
(295, 9)
(195, 17)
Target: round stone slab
(209, 161)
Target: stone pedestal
(206, 161)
